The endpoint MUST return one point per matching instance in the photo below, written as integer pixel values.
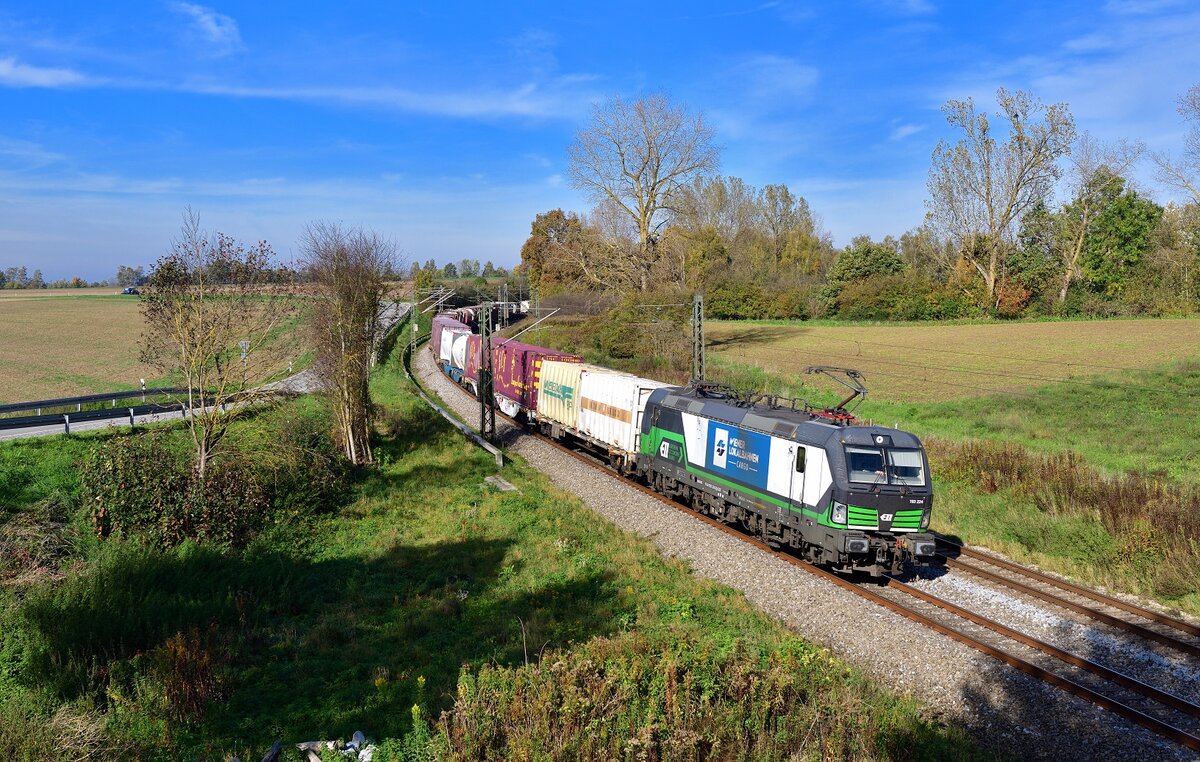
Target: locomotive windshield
(904, 466)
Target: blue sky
(444, 126)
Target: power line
(989, 389)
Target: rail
(1098, 597)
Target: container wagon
(600, 407)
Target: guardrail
(87, 399)
(65, 419)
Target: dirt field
(60, 344)
(41, 293)
(909, 363)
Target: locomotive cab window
(800, 460)
(865, 465)
(906, 467)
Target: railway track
(1157, 627)
(1154, 709)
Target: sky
(444, 126)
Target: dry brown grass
(61, 345)
(909, 363)
(39, 293)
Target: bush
(137, 485)
(735, 300)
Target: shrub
(1156, 524)
(737, 300)
(137, 485)
(905, 297)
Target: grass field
(58, 345)
(39, 293)
(67, 342)
(930, 362)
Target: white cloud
(217, 29)
(16, 74)
(773, 77)
(905, 130)
(27, 153)
(528, 100)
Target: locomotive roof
(780, 421)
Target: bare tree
(1183, 174)
(638, 156)
(350, 268)
(980, 188)
(1091, 168)
(216, 315)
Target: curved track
(958, 624)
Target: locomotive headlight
(839, 513)
(925, 518)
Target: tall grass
(679, 697)
(1156, 523)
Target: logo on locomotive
(740, 454)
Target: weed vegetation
(442, 617)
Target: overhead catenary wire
(944, 382)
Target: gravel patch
(1004, 709)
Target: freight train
(839, 494)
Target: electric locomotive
(857, 498)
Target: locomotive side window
(906, 467)
(800, 460)
(865, 465)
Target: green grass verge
(428, 592)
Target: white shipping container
(458, 351)
(449, 336)
(558, 391)
(611, 405)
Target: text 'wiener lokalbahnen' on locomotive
(837, 493)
